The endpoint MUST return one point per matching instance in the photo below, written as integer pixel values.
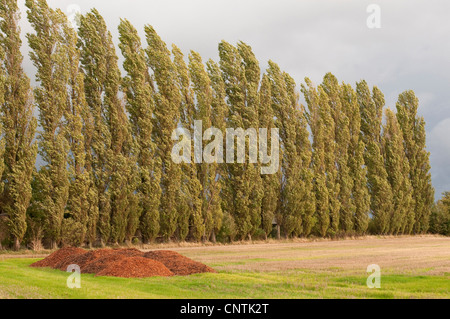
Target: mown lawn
(18, 280)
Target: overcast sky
(411, 50)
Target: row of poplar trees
(104, 142)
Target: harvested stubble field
(411, 267)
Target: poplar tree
(124, 177)
(236, 185)
(320, 122)
(112, 144)
(2, 152)
(299, 197)
(371, 108)
(252, 74)
(358, 170)
(279, 105)
(207, 172)
(296, 205)
(440, 216)
(191, 203)
(138, 87)
(19, 126)
(271, 182)
(94, 64)
(328, 114)
(397, 167)
(49, 55)
(167, 115)
(219, 111)
(413, 128)
(2, 141)
(240, 72)
(124, 174)
(88, 131)
(81, 205)
(341, 220)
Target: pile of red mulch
(128, 262)
(177, 263)
(101, 263)
(132, 267)
(83, 260)
(55, 258)
(129, 252)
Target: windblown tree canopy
(18, 148)
(105, 139)
(50, 57)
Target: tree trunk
(249, 237)
(16, 246)
(213, 236)
(278, 232)
(54, 244)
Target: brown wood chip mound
(102, 263)
(83, 260)
(132, 267)
(177, 263)
(55, 258)
(128, 262)
(129, 252)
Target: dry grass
(416, 255)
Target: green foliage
(105, 141)
(341, 219)
(440, 216)
(240, 73)
(19, 125)
(2, 154)
(112, 145)
(377, 177)
(94, 60)
(296, 202)
(70, 232)
(139, 102)
(50, 56)
(271, 182)
(166, 115)
(319, 117)
(191, 204)
(413, 128)
(359, 202)
(80, 205)
(397, 167)
(228, 229)
(207, 173)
